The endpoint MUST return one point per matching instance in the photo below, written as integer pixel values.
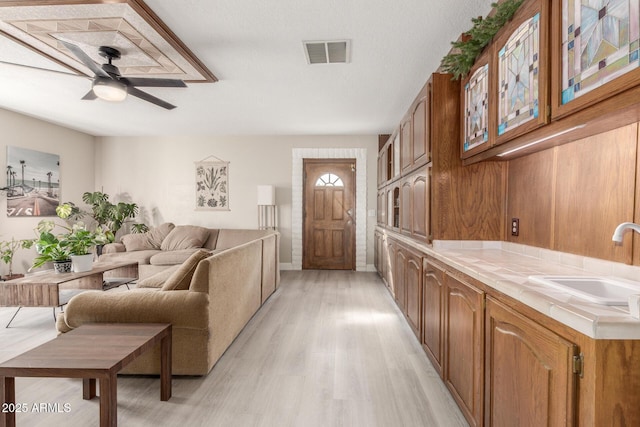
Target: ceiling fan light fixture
(109, 89)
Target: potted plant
(51, 248)
(81, 241)
(109, 215)
(7, 251)
(73, 246)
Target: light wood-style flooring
(329, 348)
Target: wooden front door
(329, 214)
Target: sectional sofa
(208, 297)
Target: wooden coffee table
(49, 289)
(92, 351)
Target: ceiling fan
(108, 84)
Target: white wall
(76, 151)
(158, 174)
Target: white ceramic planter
(80, 263)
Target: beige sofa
(216, 293)
(169, 245)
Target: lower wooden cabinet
(432, 312)
(413, 277)
(464, 347)
(407, 280)
(529, 376)
(505, 363)
(399, 281)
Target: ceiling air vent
(327, 52)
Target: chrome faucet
(617, 234)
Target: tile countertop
(506, 267)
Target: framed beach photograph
(33, 182)
(212, 185)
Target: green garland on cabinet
(474, 40)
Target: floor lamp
(267, 219)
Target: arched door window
(329, 180)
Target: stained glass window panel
(476, 94)
(600, 40)
(518, 75)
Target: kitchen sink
(600, 290)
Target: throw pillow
(158, 279)
(152, 239)
(136, 242)
(157, 234)
(185, 237)
(181, 278)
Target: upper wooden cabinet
(557, 72)
(506, 93)
(405, 145)
(594, 52)
(521, 70)
(420, 126)
(415, 133)
(477, 128)
(415, 205)
(389, 160)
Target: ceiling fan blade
(43, 69)
(85, 59)
(150, 98)
(90, 96)
(148, 82)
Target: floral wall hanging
(212, 185)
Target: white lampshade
(266, 195)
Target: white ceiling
(265, 87)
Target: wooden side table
(90, 352)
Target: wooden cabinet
(467, 203)
(477, 93)
(407, 279)
(504, 362)
(528, 373)
(394, 212)
(555, 76)
(432, 312)
(406, 208)
(382, 167)
(415, 204)
(506, 93)
(399, 281)
(585, 77)
(420, 126)
(415, 133)
(405, 145)
(388, 160)
(521, 72)
(389, 259)
(442, 199)
(464, 346)
(413, 282)
(420, 206)
(382, 207)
